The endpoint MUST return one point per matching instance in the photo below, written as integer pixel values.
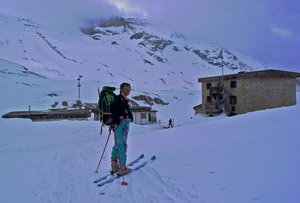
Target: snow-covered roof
(141, 109)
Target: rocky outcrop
(149, 100)
(122, 22)
(229, 59)
(65, 104)
(148, 62)
(159, 101)
(101, 26)
(158, 58)
(152, 42)
(155, 45)
(54, 48)
(52, 95)
(54, 105)
(175, 48)
(137, 35)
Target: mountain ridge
(117, 49)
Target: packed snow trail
(246, 158)
(145, 186)
(115, 176)
(54, 162)
(130, 164)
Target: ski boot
(114, 166)
(125, 170)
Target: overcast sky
(268, 30)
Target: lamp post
(79, 85)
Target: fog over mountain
(115, 49)
(267, 30)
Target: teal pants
(121, 133)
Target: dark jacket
(121, 108)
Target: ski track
(145, 185)
(55, 161)
(65, 157)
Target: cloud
(128, 7)
(282, 32)
(243, 26)
(63, 15)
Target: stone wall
(262, 94)
(255, 94)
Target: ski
(134, 169)
(130, 164)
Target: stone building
(247, 91)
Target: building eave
(271, 73)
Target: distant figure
(170, 123)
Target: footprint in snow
(255, 198)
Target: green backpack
(106, 101)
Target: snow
(57, 55)
(252, 157)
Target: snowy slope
(247, 158)
(117, 49)
(252, 157)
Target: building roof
(141, 109)
(197, 107)
(132, 108)
(50, 114)
(271, 73)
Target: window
(208, 85)
(143, 115)
(208, 99)
(233, 108)
(233, 100)
(233, 84)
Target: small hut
(143, 115)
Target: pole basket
(124, 183)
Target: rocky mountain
(117, 49)
(136, 30)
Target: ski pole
(123, 183)
(103, 151)
(101, 128)
(99, 114)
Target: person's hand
(115, 126)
